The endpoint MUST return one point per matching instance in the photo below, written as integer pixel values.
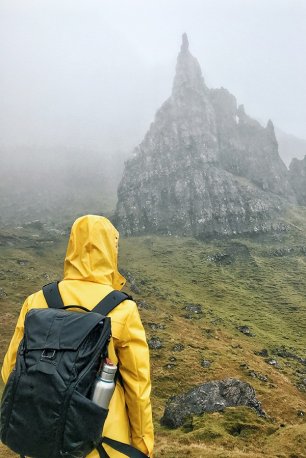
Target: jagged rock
(204, 167)
(246, 148)
(212, 396)
(297, 173)
(155, 343)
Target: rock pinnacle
(185, 43)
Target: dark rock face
(297, 172)
(246, 148)
(204, 167)
(211, 397)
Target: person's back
(90, 273)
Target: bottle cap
(109, 368)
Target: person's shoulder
(36, 300)
(124, 310)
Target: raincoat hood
(92, 252)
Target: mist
(80, 82)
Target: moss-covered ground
(258, 281)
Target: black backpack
(46, 410)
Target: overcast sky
(92, 73)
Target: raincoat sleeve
(134, 363)
(10, 357)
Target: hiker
(90, 274)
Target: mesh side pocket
(83, 426)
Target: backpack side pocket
(83, 426)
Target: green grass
(250, 284)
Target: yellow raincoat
(90, 273)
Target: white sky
(92, 73)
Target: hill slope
(258, 282)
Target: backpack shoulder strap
(52, 295)
(110, 301)
(121, 447)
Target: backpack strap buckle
(48, 354)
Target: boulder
(212, 396)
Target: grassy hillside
(259, 282)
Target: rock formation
(297, 173)
(204, 167)
(212, 396)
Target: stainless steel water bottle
(104, 385)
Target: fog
(89, 75)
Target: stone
(204, 168)
(178, 347)
(212, 396)
(273, 362)
(155, 343)
(132, 281)
(205, 363)
(285, 353)
(301, 384)
(245, 330)
(22, 262)
(156, 326)
(194, 308)
(134, 288)
(264, 352)
(144, 305)
(258, 375)
(169, 366)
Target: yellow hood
(92, 252)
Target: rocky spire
(270, 128)
(188, 72)
(185, 43)
(185, 176)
